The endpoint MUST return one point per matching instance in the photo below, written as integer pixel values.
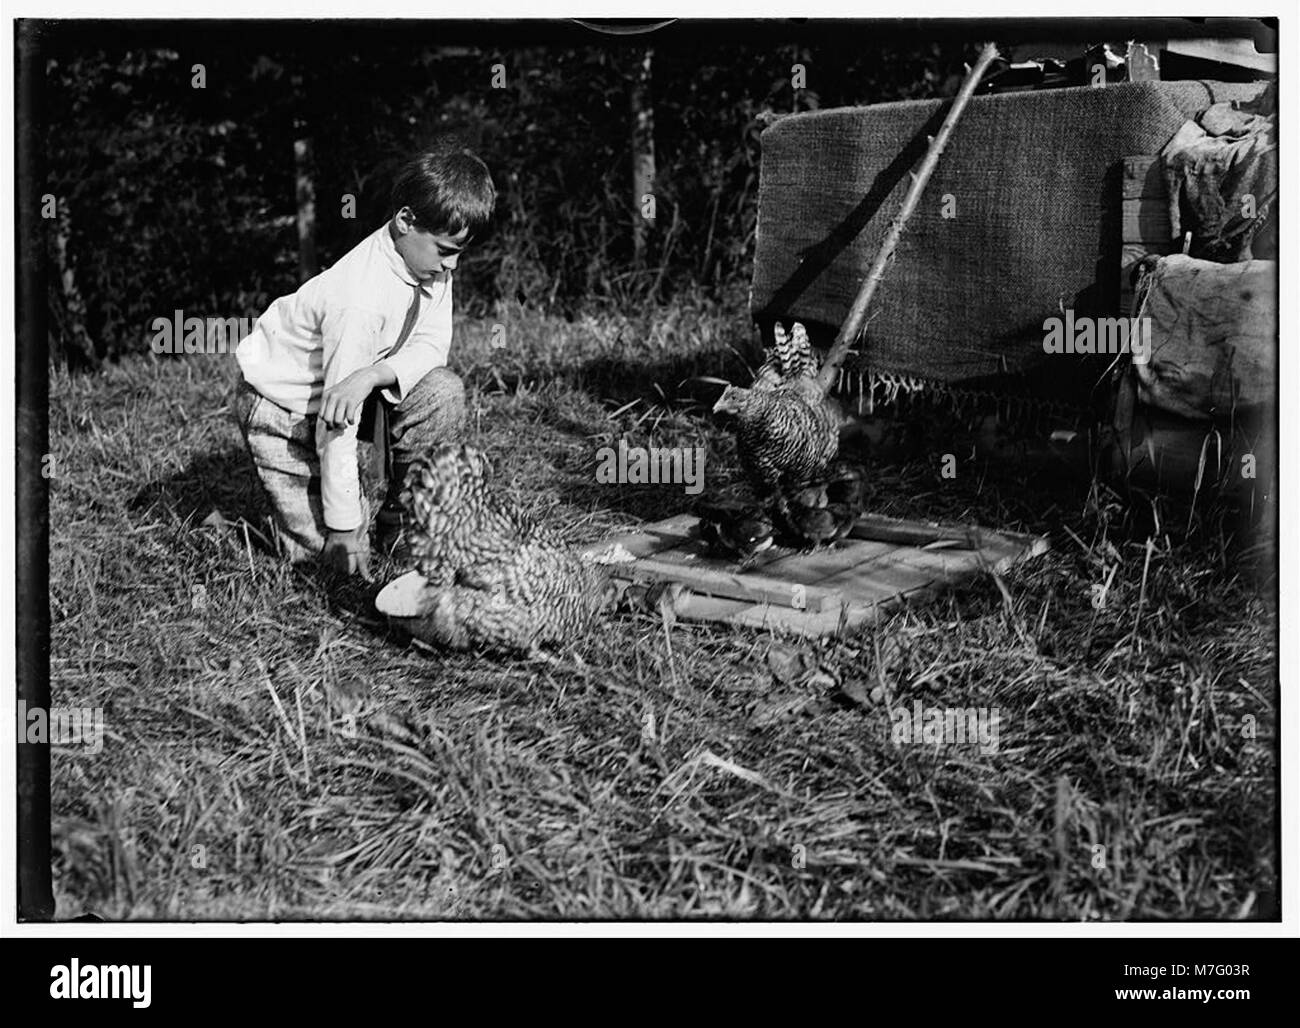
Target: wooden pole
(34, 469)
(852, 327)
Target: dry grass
(274, 753)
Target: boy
(363, 345)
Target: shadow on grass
(225, 483)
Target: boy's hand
(348, 552)
(340, 405)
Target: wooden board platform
(824, 592)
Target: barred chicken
(485, 577)
(787, 429)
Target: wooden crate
(884, 563)
(1144, 221)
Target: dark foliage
(183, 197)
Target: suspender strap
(383, 459)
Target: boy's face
(426, 253)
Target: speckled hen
(787, 429)
(486, 577)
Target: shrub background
(181, 197)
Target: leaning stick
(852, 327)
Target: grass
(272, 752)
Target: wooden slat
(739, 586)
(1145, 227)
(764, 616)
(879, 528)
(906, 569)
(789, 565)
(1142, 178)
(693, 551)
(998, 551)
(888, 580)
(910, 573)
(1145, 220)
(819, 564)
(662, 535)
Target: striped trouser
(283, 448)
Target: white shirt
(347, 318)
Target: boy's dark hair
(448, 189)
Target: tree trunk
(76, 347)
(308, 266)
(643, 156)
